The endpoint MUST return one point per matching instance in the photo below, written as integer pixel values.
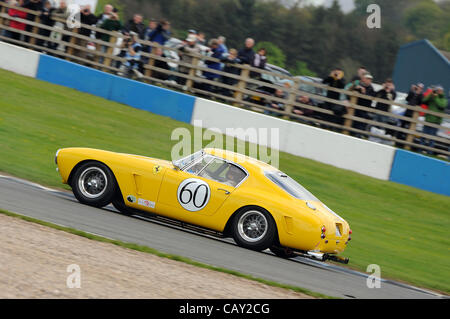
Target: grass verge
(152, 251)
(400, 228)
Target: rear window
(290, 186)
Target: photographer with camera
(188, 46)
(132, 50)
(335, 80)
(363, 87)
(436, 102)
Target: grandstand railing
(243, 93)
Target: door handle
(226, 192)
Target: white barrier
(19, 60)
(339, 150)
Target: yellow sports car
(235, 195)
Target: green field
(400, 228)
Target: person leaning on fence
(229, 67)
(16, 13)
(62, 12)
(188, 47)
(216, 52)
(436, 102)
(246, 54)
(135, 25)
(364, 87)
(259, 61)
(46, 19)
(132, 56)
(276, 105)
(112, 23)
(335, 80)
(387, 92)
(36, 5)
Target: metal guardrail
(242, 94)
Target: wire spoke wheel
(252, 226)
(92, 182)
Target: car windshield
(185, 161)
(290, 186)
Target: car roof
(249, 163)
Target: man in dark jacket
(364, 87)
(135, 25)
(246, 55)
(46, 19)
(87, 17)
(36, 5)
(335, 80)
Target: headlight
(56, 157)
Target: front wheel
(94, 184)
(254, 228)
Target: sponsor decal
(146, 203)
(193, 194)
(131, 199)
(156, 169)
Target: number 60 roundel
(193, 194)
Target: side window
(223, 172)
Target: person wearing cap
(189, 47)
(335, 80)
(436, 102)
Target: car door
(200, 189)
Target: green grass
(153, 251)
(400, 228)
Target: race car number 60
(193, 194)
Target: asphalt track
(62, 208)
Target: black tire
(119, 204)
(94, 184)
(282, 252)
(261, 236)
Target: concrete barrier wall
(339, 150)
(136, 94)
(18, 59)
(421, 172)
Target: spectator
(160, 64)
(86, 17)
(279, 106)
(364, 87)
(135, 25)
(229, 68)
(36, 5)
(414, 98)
(152, 25)
(247, 55)
(110, 24)
(132, 56)
(259, 61)
(436, 102)
(387, 92)
(201, 39)
(46, 19)
(222, 45)
(335, 80)
(15, 24)
(217, 53)
(303, 99)
(105, 15)
(189, 46)
(161, 34)
(61, 12)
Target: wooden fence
(72, 46)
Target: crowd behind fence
(344, 109)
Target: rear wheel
(94, 184)
(254, 228)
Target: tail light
(323, 229)
(350, 232)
